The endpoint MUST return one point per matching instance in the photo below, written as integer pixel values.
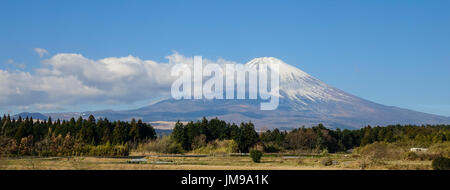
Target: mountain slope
(31, 115)
(304, 100)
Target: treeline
(320, 138)
(74, 137)
(198, 134)
(317, 138)
(101, 137)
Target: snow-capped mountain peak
(298, 85)
(287, 72)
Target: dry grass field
(220, 162)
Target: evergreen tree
(134, 131)
(119, 134)
(146, 131)
(180, 135)
(369, 136)
(247, 137)
(87, 131)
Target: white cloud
(71, 79)
(41, 52)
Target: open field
(200, 162)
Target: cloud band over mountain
(71, 79)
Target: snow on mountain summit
(287, 72)
(298, 85)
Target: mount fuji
(304, 101)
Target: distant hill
(33, 115)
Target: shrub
(381, 151)
(441, 163)
(324, 153)
(429, 156)
(108, 150)
(217, 147)
(420, 156)
(199, 141)
(256, 155)
(326, 162)
(271, 147)
(411, 156)
(174, 148)
(441, 149)
(232, 146)
(161, 145)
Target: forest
(101, 137)
(316, 138)
(81, 137)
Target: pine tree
(134, 131)
(179, 134)
(87, 132)
(119, 134)
(369, 136)
(247, 137)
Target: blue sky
(391, 52)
